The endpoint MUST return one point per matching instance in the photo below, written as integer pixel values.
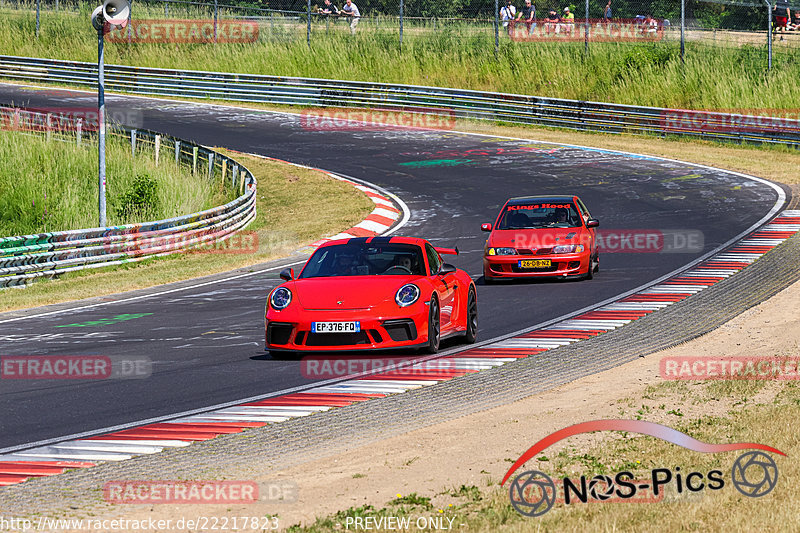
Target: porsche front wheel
(434, 327)
(472, 317)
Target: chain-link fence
(762, 26)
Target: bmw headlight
(568, 249)
(502, 251)
(407, 295)
(280, 298)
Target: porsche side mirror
(287, 274)
(486, 227)
(446, 268)
(592, 223)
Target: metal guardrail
(27, 258)
(461, 103)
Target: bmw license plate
(534, 263)
(335, 327)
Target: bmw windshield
(540, 215)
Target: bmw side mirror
(446, 268)
(486, 227)
(592, 223)
(287, 274)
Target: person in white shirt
(350, 10)
(507, 14)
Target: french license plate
(335, 327)
(534, 263)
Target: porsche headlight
(502, 251)
(280, 298)
(568, 249)
(407, 295)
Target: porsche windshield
(363, 259)
(540, 215)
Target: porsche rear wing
(447, 251)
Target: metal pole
(586, 31)
(166, 10)
(101, 122)
(401, 25)
(56, 6)
(37, 18)
(130, 32)
(769, 36)
(216, 15)
(683, 27)
(308, 25)
(496, 28)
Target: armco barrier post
(216, 16)
(177, 151)
(37, 18)
(133, 142)
(194, 160)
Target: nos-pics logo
(533, 493)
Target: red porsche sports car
(541, 236)
(371, 293)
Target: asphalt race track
(207, 342)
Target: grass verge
(632, 73)
(51, 185)
(739, 408)
(295, 207)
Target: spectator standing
(507, 13)
(782, 15)
(329, 9)
(607, 12)
(569, 20)
(351, 10)
(552, 21)
(528, 15)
